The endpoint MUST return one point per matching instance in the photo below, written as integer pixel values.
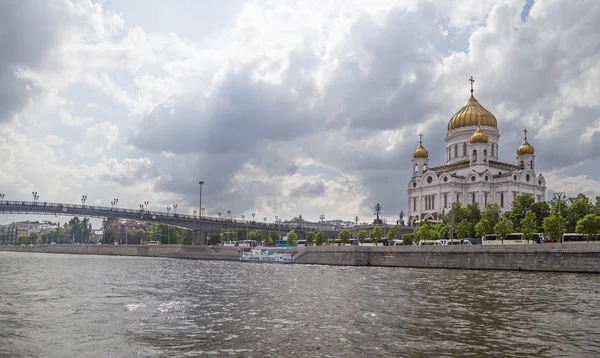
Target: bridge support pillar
(198, 237)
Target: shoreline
(580, 258)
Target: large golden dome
(472, 114)
(525, 148)
(479, 136)
(421, 152)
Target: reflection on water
(102, 306)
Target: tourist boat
(269, 254)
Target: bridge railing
(134, 213)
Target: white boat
(268, 255)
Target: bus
(516, 238)
(153, 243)
(573, 238)
(248, 243)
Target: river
(55, 305)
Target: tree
(483, 227)
(554, 226)
(311, 237)
(577, 209)
(491, 213)
(541, 210)
(425, 231)
(392, 233)
(472, 213)
(361, 235)
(375, 234)
(292, 238)
(442, 232)
(521, 205)
(588, 226)
(529, 225)
(503, 228)
(321, 238)
(408, 239)
(464, 229)
(344, 236)
(455, 215)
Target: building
(473, 171)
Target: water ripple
(71, 306)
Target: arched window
(522, 164)
(531, 164)
(424, 167)
(416, 168)
(464, 149)
(485, 155)
(474, 157)
(455, 150)
(493, 150)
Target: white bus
(153, 242)
(515, 238)
(573, 238)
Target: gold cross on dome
(472, 81)
(420, 138)
(525, 131)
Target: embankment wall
(558, 258)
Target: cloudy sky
(303, 107)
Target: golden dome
(472, 114)
(525, 148)
(421, 152)
(479, 136)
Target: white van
(429, 242)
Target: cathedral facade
(473, 172)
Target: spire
(420, 139)
(525, 132)
(472, 81)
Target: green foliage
(541, 210)
(311, 237)
(503, 228)
(361, 235)
(408, 239)
(375, 235)
(392, 234)
(577, 209)
(554, 226)
(345, 236)
(472, 212)
(529, 225)
(520, 206)
(464, 229)
(425, 231)
(455, 215)
(491, 213)
(483, 227)
(321, 238)
(442, 232)
(292, 238)
(589, 225)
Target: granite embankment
(549, 257)
(173, 251)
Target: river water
(101, 306)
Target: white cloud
(302, 107)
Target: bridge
(201, 226)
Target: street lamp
(229, 214)
(202, 213)
(219, 213)
(322, 218)
(265, 219)
(243, 218)
(83, 199)
(253, 214)
(168, 210)
(146, 205)
(1, 198)
(174, 209)
(195, 210)
(559, 196)
(35, 197)
(200, 199)
(277, 220)
(116, 202)
(142, 208)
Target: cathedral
(473, 172)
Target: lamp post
(83, 199)
(277, 221)
(356, 220)
(253, 214)
(35, 197)
(265, 219)
(202, 213)
(113, 203)
(1, 198)
(560, 196)
(229, 214)
(322, 218)
(146, 205)
(243, 218)
(195, 210)
(116, 202)
(174, 209)
(200, 199)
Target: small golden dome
(421, 152)
(479, 136)
(525, 148)
(472, 114)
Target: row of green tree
(573, 215)
(74, 231)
